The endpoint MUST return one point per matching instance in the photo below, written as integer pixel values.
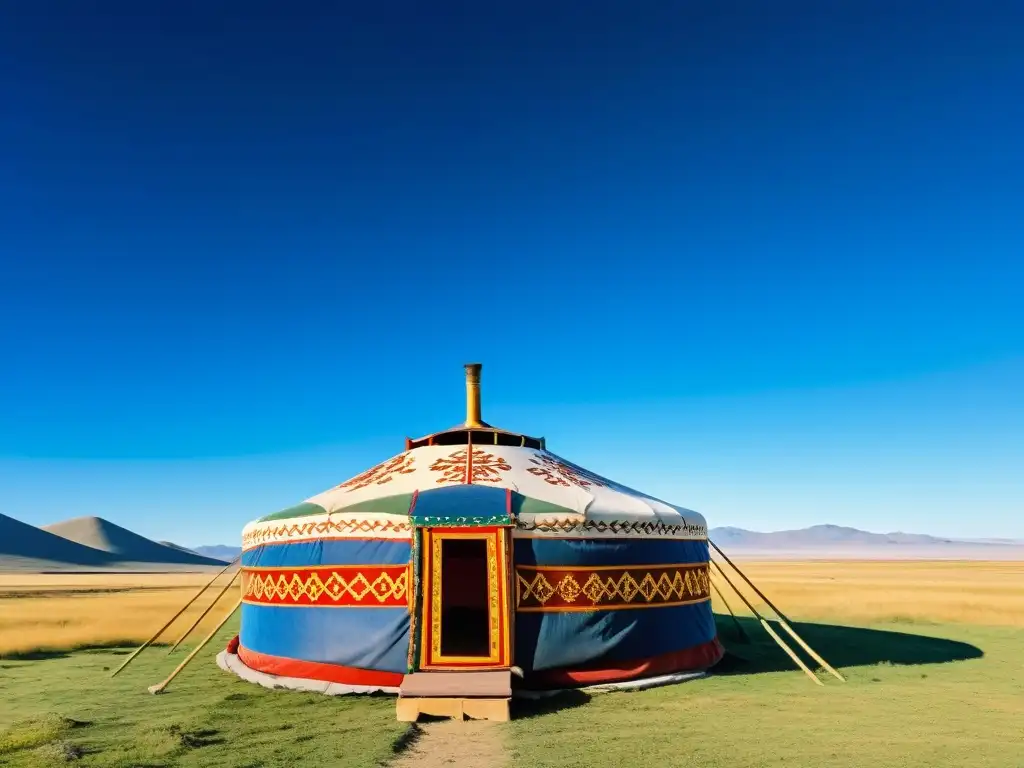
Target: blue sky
(762, 260)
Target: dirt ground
(453, 742)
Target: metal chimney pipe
(473, 395)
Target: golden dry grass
(42, 612)
(952, 592)
(56, 611)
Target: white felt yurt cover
(565, 499)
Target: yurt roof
(503, 477)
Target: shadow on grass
(194, 739)
(114, 648)
(523, 709)
(841, 646)
(754, 652)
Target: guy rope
(202, 616)
(767, 628)
(170, 621)
(782, 619)
(739, 627)
(159, 687)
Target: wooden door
(466, 612)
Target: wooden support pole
(782, 618)
(203, 614)
(767, 628)
(828, 667)
(170, 621)
(159, 687)
(758, 592)
(739, 627)
(789, 651)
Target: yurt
(475, 549)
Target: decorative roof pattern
(594, 507)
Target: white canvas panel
(601, 506)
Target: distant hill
(122, 544)
(838, 536)
(178, 547)
(25, 547)
(999, 542)
(219, 551)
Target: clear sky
(765, 260)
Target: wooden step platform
(410, 709)
(476, 695)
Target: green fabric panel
(305, 509)
(388, 505)
(531, 506)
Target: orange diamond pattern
(610, 588)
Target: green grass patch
(921, 697)
(34, 731)
(918, 696)
(65, 709)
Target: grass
(943, 695)
(934, 674)
(40, 613)
(67, 709)
(35, 732)
(921, 592)
(934, 679)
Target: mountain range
(842, 539)
(89, 543)
(219, 551)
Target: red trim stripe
(697, 658)
(694, 659)
(315, 670)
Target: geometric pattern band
(325, 528)
(341, 586)
(393, 527)
(546, 589)
(644, 528)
